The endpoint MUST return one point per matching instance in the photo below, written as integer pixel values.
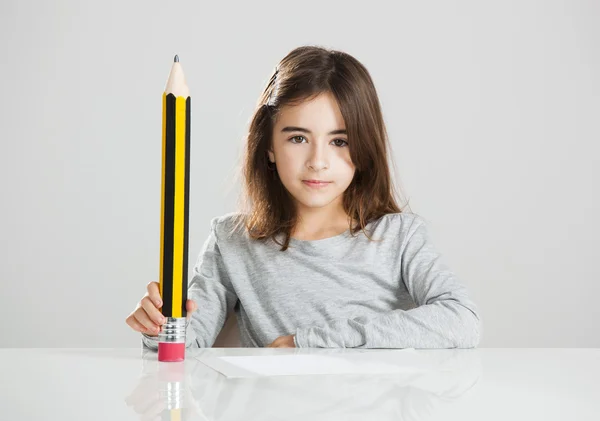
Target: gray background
(492, 110)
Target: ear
(271, 156)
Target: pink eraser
(171, 351)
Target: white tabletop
(130, 384)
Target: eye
(295, 137)
(341, 140)
(344, 143)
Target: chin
(315, 201)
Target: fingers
(134, 324)
(142, 318)
(147, 317)
(154, 293)
(152, 312)
(139, 321)
(190, 306)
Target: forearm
(442, 324)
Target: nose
(318, 159)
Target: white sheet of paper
(381, 362)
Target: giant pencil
(174, 225)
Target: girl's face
(310, 143)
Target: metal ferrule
(173, 330)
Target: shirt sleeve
(211, 289)
(445, 316)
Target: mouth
(316, 183)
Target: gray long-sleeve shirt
(341, 291)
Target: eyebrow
(301, 129)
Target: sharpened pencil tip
(176, 58)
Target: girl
(320, 254)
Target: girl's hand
(283, 342)
(146, 317)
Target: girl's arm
(213, 293)
(445, 317)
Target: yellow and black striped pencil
(174, 227)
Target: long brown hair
(266, 207)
